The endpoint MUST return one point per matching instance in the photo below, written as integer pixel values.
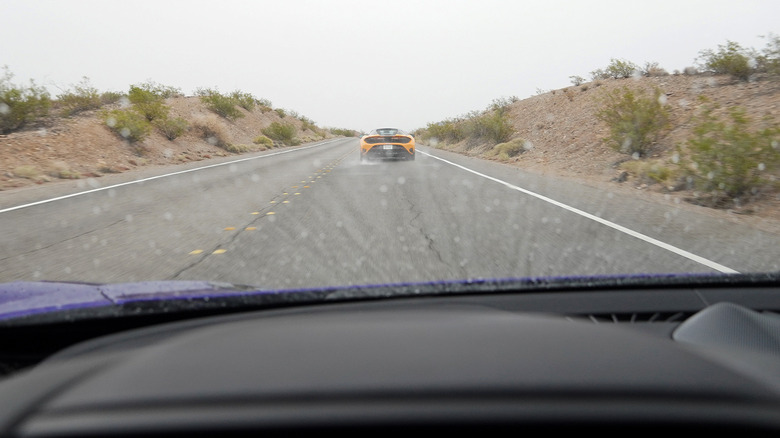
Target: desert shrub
(281, 112)
(308, 124)
(577, 80)
(81, 97)
(769, 60)
(213, 131)
(634, 120)
(236, 148)
(655, 171)
(728, 158)
(128, 123)
(502, 103)
(147, 102)
(509, 149)
(621, 69)
(283, 132)
(344, 132)
(245, 100)
(653, 69)
(20, 105)
(220, 104)
(109, 97)
(447, 131)
(27, 171)
(491, 126)
(60, 169)
(730, 59)
(598, 74)
(171, 127)
(162, 91)
(263, 140)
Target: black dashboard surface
(599, 359)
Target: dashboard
(648, 359)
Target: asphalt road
(316, 216)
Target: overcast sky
(361, 64)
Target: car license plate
(387, 147)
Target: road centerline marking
(679, 251)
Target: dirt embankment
(82, 146)
(567, 139)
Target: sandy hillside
(566, 137)
(82, 146)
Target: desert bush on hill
(219, 103)
(81, 97)
(263, 140)
(128, 123)
(728, 159)
(344, 132)
(491, 126)
(446, 131)
(171, 128)
(109, 97)
(245, 100)
(621, 69)
(212, 130)
(147, 102)
(634, 120)
(510, 149)
(730, 59)
(283, 132)
(162, 91)
(617, 69)
(20, 105)
(653, 69)
(769, 60)
(308, 124)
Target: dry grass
(212, 129)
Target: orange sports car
(387, 143)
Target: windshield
(223, 142)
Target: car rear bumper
(394, 151)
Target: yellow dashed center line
(311, 179)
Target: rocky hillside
(82, 146)
(563, 135)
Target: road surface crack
(60, 242)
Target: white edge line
(630, 232)
(59, 198)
